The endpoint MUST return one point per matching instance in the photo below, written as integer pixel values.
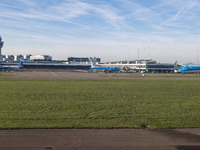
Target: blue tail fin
(92, 64)
(20, 64)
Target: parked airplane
(12, 67)
(104, 69)
(189, 69)
(3, 67)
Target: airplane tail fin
(92, 64)
(175, 64)
(20, 64)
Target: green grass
(5, 74)
(67, 103)
(160, 75)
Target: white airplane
(104, 69)
(11, 67)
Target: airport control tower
(1, 45)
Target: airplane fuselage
(106, 69)
(12, 67)
(190, 69)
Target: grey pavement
(80, 74)
(100, 139)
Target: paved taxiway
(80, 74)
(100, 139)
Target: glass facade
(83, 60)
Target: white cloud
(28, 2)
(69, 9)
(105, 28)
(181, 13)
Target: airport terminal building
(143, 65)
(83, 60)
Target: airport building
(27, 57)
(83, 60)
(33, 58)
(142, 65)
(40, 58)
(18, 57)
(9, 58)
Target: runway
(100, 139)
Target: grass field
(67, 103)
(157, 75)
(5, 74)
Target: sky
(164, 30)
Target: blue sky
(163, 30)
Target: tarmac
(95, 139)
(82, 74)
(100, 139)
